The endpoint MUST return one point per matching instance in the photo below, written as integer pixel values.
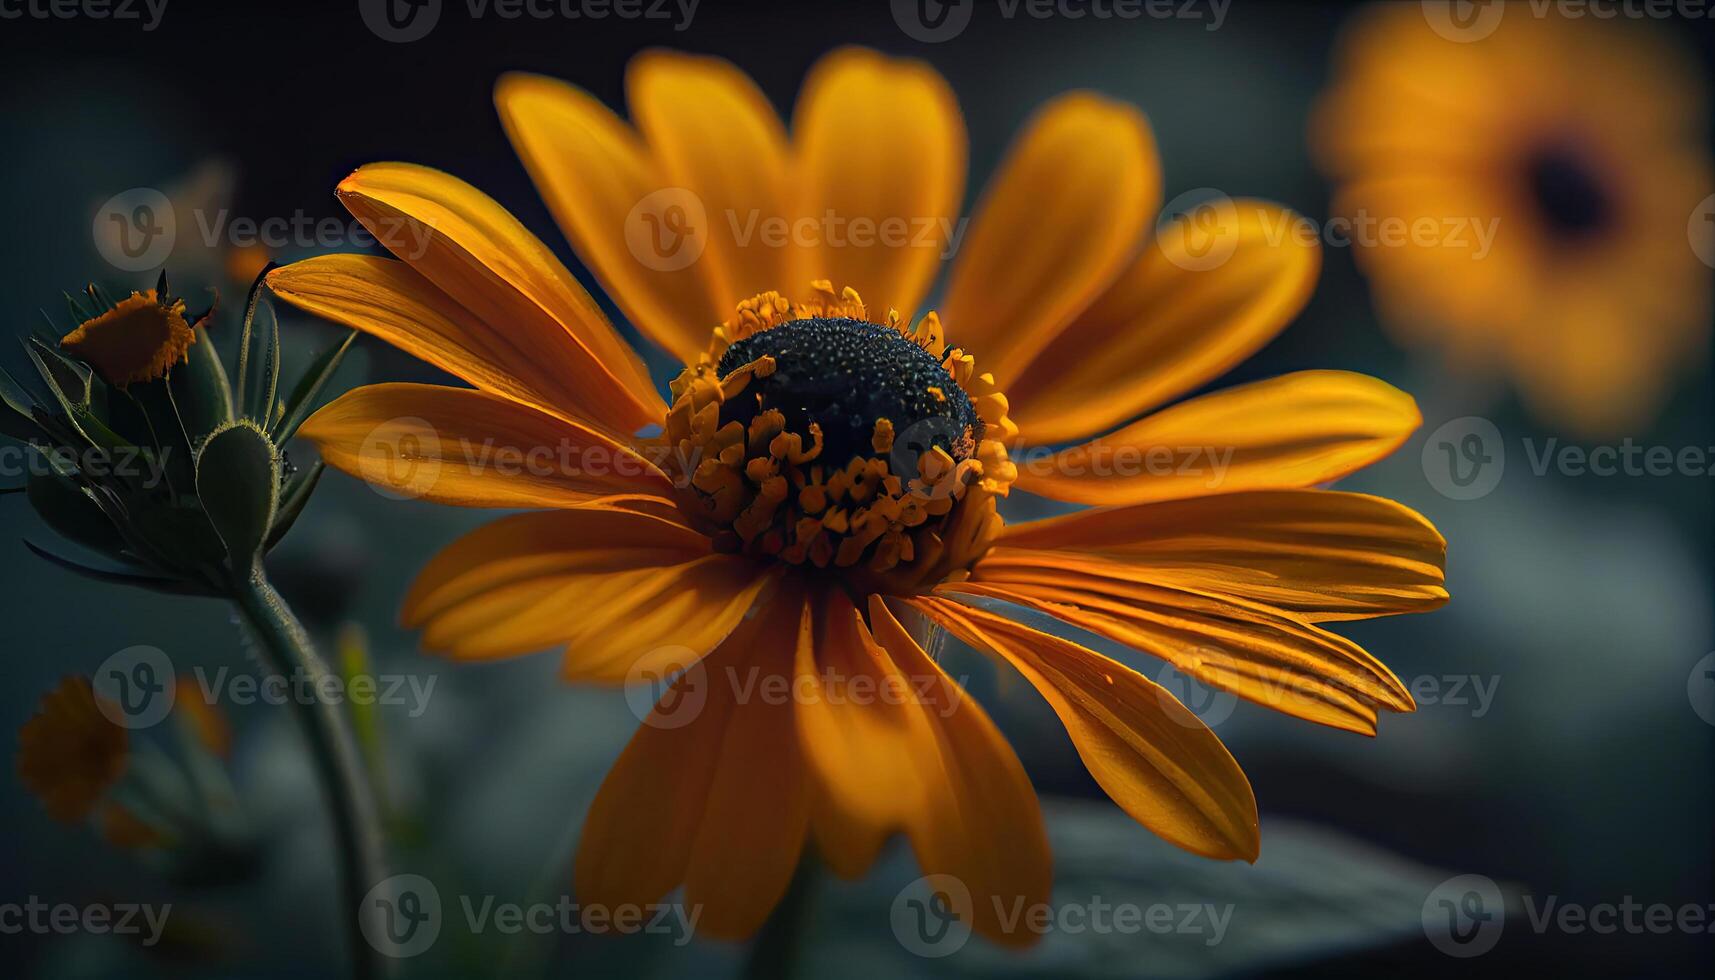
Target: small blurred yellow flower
(69, 752)
(1549, 174)
(210, 727)
(137, 340)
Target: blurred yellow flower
(1552, 171)
(823, 481)
(70, 753)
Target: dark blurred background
(1580, 605)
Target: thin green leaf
(73, 513)
(201, 390)
(297, 408)
(169, 586)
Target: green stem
(338, 761)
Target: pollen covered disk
(816, 435)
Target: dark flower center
(1570, 195)
(844, 375)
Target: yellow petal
(849, 844)
(1317, 553)
(1155, 758)
(1199, 300)
(881, 152)
(1257, 653)
(600, 181)
(756, 816)
(1058, 223)
(714, 133)
(863, 737)
(527, 546)
(982, 824)
(637, 838)
(477, 253)
(1296, 430)
(385, 298)
(473, 449)
(624, 591)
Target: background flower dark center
(844, 374)
(1570, 195)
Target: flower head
(155, 461)
(70, 753)
(1560, 163)
(819, 493)
(137, 340)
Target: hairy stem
(337, 758)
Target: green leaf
(155, 400)
(17, 415)
(73, 514)
(69, 380)
(292, 501)
(258, 359)
(170, 586)
(201, 390)
(238, 482)
(297, 408)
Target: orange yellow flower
(70, 752)
(821, 489)
(137, 340)
(1562, 162)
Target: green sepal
(258, 359)
(297, 408)
(170, 586)
(155, 399)
(201, 390)
(70, 384)
(17, 412)
(238, 483)
(73, 514)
